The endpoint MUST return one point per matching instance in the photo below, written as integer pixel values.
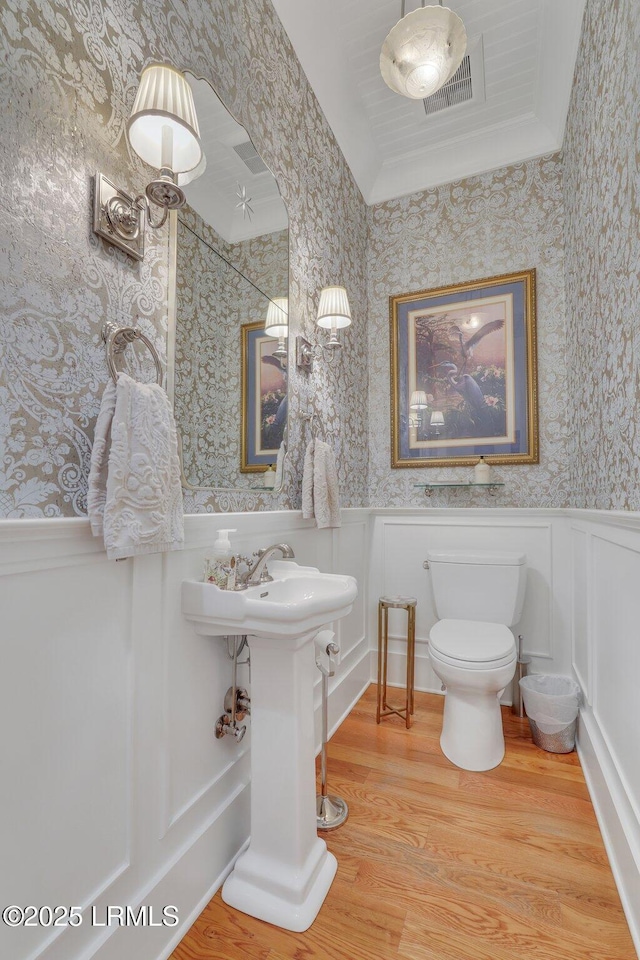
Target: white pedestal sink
(285, 874)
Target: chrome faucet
(258, 573)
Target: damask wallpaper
(68, 75)
(501, 222)
(602, 202)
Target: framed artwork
(463, 374)
(264, 399)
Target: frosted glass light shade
(277, 322)
(423, 51)
(333, 309)
(163, 126)
(418, 400)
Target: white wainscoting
(401, 540)
(605, 550)
(114, 789)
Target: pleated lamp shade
(418, 400)
(189, 175)
(333, 309)
(163, 126)
(277, 322)
(423, 51)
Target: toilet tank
(478, 585)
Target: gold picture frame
(464, 373)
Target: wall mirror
(230, 271)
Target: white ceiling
(215, 194)
(391, 146)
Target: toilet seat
(472, 644)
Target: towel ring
(315, 418)
(116, 339)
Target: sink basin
(297, 600)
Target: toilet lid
(472, 641)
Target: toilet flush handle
(425, 564)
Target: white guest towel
(307, 483)
(282, 452)
(97, 492)
(320, 495)
(135, 497)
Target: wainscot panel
(127, 798)
(401, 541)
(606, 573)
(120, 794)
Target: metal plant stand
(331, 811)
(384, 605)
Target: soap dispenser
(482, 472)
(269, 477)
(216, 567)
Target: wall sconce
(437, 421)
(163, 130)
(417, 402)
(277, 324)
(334, 314)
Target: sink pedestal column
(285, 874)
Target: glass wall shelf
(491, 488)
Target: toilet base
(472, 735)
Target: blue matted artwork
(264, 399)
(463, 373)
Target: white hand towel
(282, 452)
(320, 496)
(97, 492)
(326, 497)
(143, 510)
(307, 483)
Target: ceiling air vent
(457, 90)
(252, 160)
(465, 86)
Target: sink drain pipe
(331, 811)
(237, 703)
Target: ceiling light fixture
(423, 51)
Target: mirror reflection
(229, 337)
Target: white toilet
(478, 596)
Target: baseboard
(189, 921)
(211, 852)
(616, 818)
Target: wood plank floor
(436, 863)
